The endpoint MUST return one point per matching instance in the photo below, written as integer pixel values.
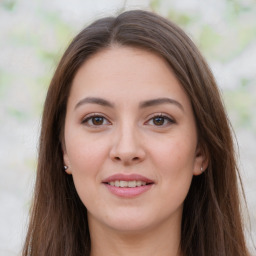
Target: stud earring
(201, 169)
(65, 167)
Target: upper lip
(127, 177)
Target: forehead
(125, 73)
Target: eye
(95, 120)
(160, 120)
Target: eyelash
(89, 118)
(167, 120)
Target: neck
(162, 240)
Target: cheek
(174, 161)
(175, 156)
(175, 171)
(86, 159)
(85, 153)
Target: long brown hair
(211, 221)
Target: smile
(127, 184)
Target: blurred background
(34, 35)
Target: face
(130, 140)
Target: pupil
(97, 120)
(158, 120)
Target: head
(212, 198)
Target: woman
(136, 155)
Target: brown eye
(159, 120)
(97, 120)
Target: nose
(127, 147)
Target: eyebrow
(144, 104)
(159, 101)
(94, 100)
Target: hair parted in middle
(211, 222)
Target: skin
(129, 138)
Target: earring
(65, 167)
(201, 169)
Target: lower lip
(128, 192)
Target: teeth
(127, 184)
(132, 184)
(123, 183)
(138, 183)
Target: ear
(67, 163)
(201, 160)
(66, 160)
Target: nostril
(117, 158)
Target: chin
(130, 226)
(131, 222)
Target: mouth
(128, 185)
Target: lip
(128, 192)
(127, 177)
